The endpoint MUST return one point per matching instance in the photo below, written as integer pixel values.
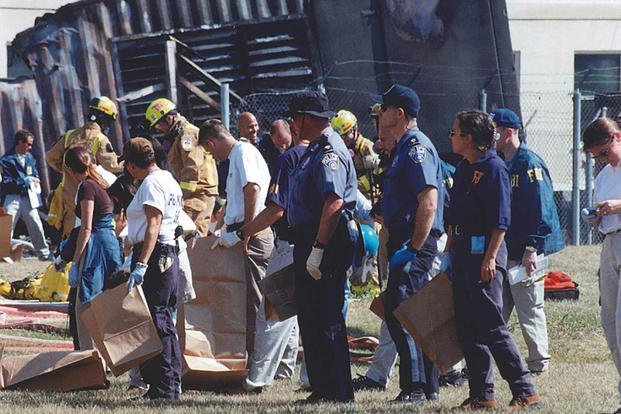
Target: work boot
(475, 403)
(365, 383)
(529, 402)
(434, 396)
(415, 397)
(452, 378)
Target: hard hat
(370, 239)
(104, 105)
(343, 122)
(157, 110)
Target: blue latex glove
(73, 275)
(137, 276)
(401, 257)
(28, 180)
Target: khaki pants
(260, 249)
(610, 296)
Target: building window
(597, 72)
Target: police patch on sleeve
(417, 154)
(186, 142)
(331, 161)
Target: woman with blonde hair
(97, 251)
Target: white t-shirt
(608, 187)
(160, 190)
(247, 165)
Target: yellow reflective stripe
(188, 185)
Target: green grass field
(582, 377)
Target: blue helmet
(370, 240)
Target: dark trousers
(320, 316)
(416, 371)
(163, 371)
(481, 329)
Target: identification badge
(477, 244)
(29, 170)
(186, 143)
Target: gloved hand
(28, 180)
(74, 274)
(445, 261)
(589, 216)
(136, 277)
(370, 162)
(59, 264)
(226, 239)
(313, 262)
(401, 256)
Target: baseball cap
(506, 118)
(313, 103)
(138, 149)
(402, 97)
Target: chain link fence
(548, 128)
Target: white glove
(227, 239)
(313, 262)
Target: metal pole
(224, 104)
(171, 70)
(483, 100)
(575, 194)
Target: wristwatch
(530, 249)
(319, 245)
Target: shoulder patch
(417, 154)
(186, 142)
(330, 161)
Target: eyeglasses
(605, 152)
(451, 133)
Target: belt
(459, 230)
(612, 232)
(234, 226)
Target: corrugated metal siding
(20, 108)
(70, 51)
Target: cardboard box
(429, 317)
(6, 227)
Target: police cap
(403, 97)
(313, 103)
(504, 117)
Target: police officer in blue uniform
(322, 197)
(478, 217)
(534, 230)
(412, 187)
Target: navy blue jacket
(534, 218)
(13, 174)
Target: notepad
(518, 273)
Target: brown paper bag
(429, 317)
(377, 305)
(122, 329)
(53, 371)
(212, 327)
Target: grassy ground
(582, 377)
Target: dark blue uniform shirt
(415, 164)
(279, 187)
(270, 153)
(481, 196)
(534, 218)
(13, 174)
(325, 167)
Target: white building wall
(19, 15)
(547, 34)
